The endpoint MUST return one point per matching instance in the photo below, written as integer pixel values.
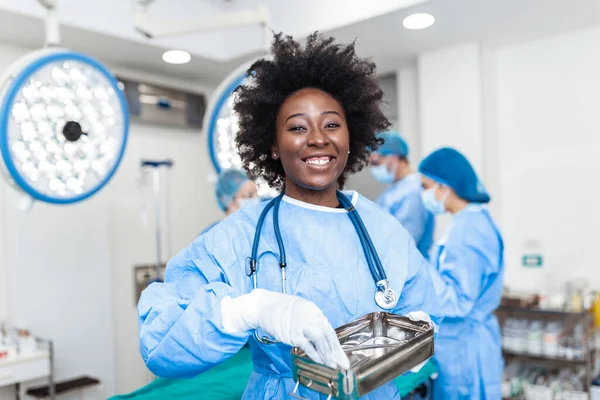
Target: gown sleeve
(418, 293)
(180, 326)
(411, 214)
(467, 259)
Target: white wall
(407, 87)
(388, 84)
(66, 272)
(450, 99)
(7, 56)
(527, 117)
(549, 125)
(451, 104)
(59, 268)
(191, 208)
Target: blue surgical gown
(208, 228)
(403, 200)
(180, 325)
(468, 273)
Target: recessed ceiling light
(418, 21)
(176, 57)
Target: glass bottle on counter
(551, 339)
(578, 342)
(534, 338)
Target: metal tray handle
(295, 395)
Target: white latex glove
(419, 316)
(289, 319)
(424, 317)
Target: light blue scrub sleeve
(180, 325)
(418, 293)
(461, 269)
(411, 214)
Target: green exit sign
(532, 261)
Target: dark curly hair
(321, 64)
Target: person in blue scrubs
(467, 271)
(307, 117)
(402, 199)
(233, 190)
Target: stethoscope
(385, 297)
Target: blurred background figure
(233, 191)
(467, 270)
(402, 199)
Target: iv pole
(156, 165)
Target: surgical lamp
(63, 122)
(221, 124)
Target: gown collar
(352, 193)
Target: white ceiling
(295, 17)
(493, 22)
(26, 31)
(108, 34)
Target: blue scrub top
(180, 324)
(468, 274)
(208, 228)
(403, 200)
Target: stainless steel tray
(380, 346)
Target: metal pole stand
(155, 165)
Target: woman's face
(427, 183)
(248, 190)
(440, 190)
(312, 140)
(390, 162)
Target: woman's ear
(274, 152)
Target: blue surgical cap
(394, 145)
(228, 184)
(449, 167)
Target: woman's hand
(289, 319)
(419, 316)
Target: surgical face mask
(431, 203)
(248, 202)
(382, 174)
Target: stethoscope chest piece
(386, 299)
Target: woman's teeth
(318, 161)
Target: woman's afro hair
(321, 64)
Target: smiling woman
(308, 117)
(312, 143)
(317, 101)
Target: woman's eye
(332, 125)
(296, 128)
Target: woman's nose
(317, 138)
